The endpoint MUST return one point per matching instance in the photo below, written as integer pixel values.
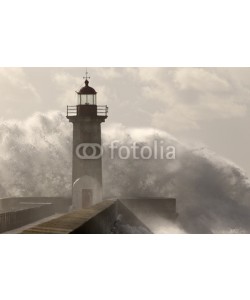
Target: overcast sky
(203, 106)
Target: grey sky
(200, 106)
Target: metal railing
(71, 110)
(102, 110)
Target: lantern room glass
(84, 99)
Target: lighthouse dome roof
(87, 90)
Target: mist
(212, 193)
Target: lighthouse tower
(86, 117)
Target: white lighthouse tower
(86, 117)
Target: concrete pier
(111, 216)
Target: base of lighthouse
(86, 191)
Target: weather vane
(86, 75)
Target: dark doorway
(87, 197)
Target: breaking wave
(213, 194)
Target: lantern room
(86, 95)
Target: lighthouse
(86, 117)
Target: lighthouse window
(86, 99)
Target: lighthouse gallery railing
(102, 110)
